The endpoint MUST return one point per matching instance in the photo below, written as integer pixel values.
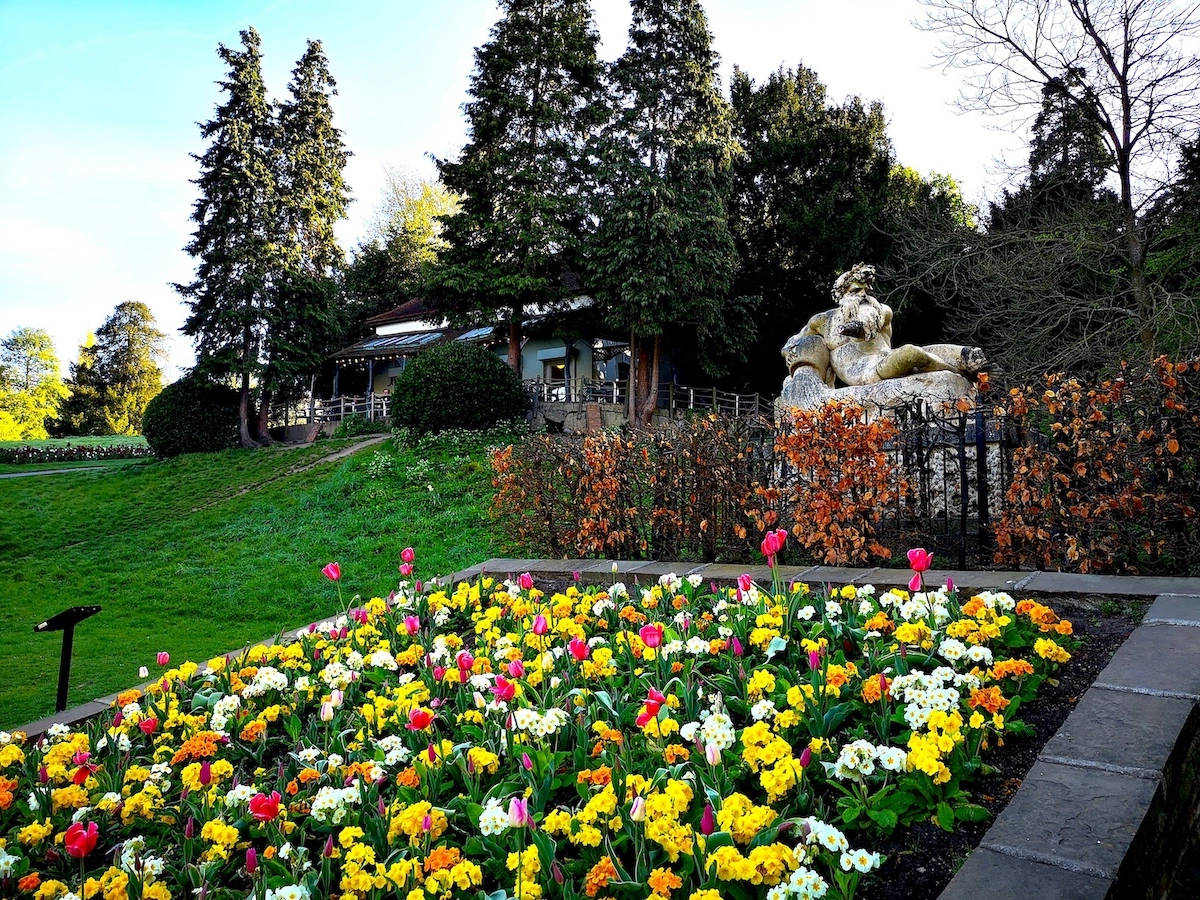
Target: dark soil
(923, 858)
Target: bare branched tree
(1140, 83)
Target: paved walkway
(53, 471)
(592, 570)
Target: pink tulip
(417, 586)
(439, 672)
(814, 659)
(408, 555)
(637, 812)
(556, 872)
(914, 583)
(406, 569)
(465, 660)
(205, 776)
(332, 571)
(712, 754)
(189, 829)
(736, 646)
(118, 718)
(163, 657)
(919, 559)
(540, 625)
(949, 585)
(431, 753)
(427, 823)
(328, 851)
(518, 813)
(651, 635)
(43, 775)
(575, 576)
(578, 648)
(251, 861)
(708, 821)
(805, 757)
(525, 580)
(526, 762)
(504, 689)
(412, 624)
(516, 668)
(745, 582)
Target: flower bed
(60, 453)
(674, 741)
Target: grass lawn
(205, 553)
(18, 468)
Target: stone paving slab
(1000, 877)
(1138, 585)
(1134, 734)
(1173, 609)
(1080, 820)
(1162, 660)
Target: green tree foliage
(457, 385)
(192, 415)
(31, 388)
(404, 240)
(127, 348)
(1174, 259)
(534, 102)
(809, 192)
(662, 254)
(237, 229)
(82, 413)
(263, 302)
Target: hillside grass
(111, 440)
(205, 553)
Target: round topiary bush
(192, 415)
(456, 385)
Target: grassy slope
(182, 560)
(112, 440)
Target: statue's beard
(857, 323)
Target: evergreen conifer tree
(662, 254)
(237, 229)
(127, 347)
(82, 413)
(534, 102)
(303, 308)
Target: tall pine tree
(237, 229)
(303, 308)
(126, 351)
(535, 99)
(662, 254)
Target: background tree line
(114, 377)
(709, 226)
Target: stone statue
(851, 345)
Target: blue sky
(99, 102)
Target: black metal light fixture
(65, 622)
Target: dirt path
(297, 469)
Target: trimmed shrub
(457, 385)
(193, 415)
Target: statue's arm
(885, 323)
(815, 326)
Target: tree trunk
(651, 402)
(264, 415)
(1148, 329)
(514, 338)
(244, 413)
(633, 380)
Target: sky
(100, 100)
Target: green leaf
(884, 818)
(945, 816)
(971, 812)
(777, 645)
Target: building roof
(415, 308)
(395, 346)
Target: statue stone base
(806, 390)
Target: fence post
(737, 405)
(963, 490)
(983, 485)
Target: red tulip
(504, 689)
(466, 662)
(80, 840)
(578, 648)
(651, 635)
(419, 719)
(148, 725)
(919, 559)
(332, 571)
(408, 555)
(264, 808)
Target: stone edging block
(1105, 811)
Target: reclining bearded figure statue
(851, 345)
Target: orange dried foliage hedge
(1107, 479)
(676, 492)
(837, 481)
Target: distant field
(204, 553)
